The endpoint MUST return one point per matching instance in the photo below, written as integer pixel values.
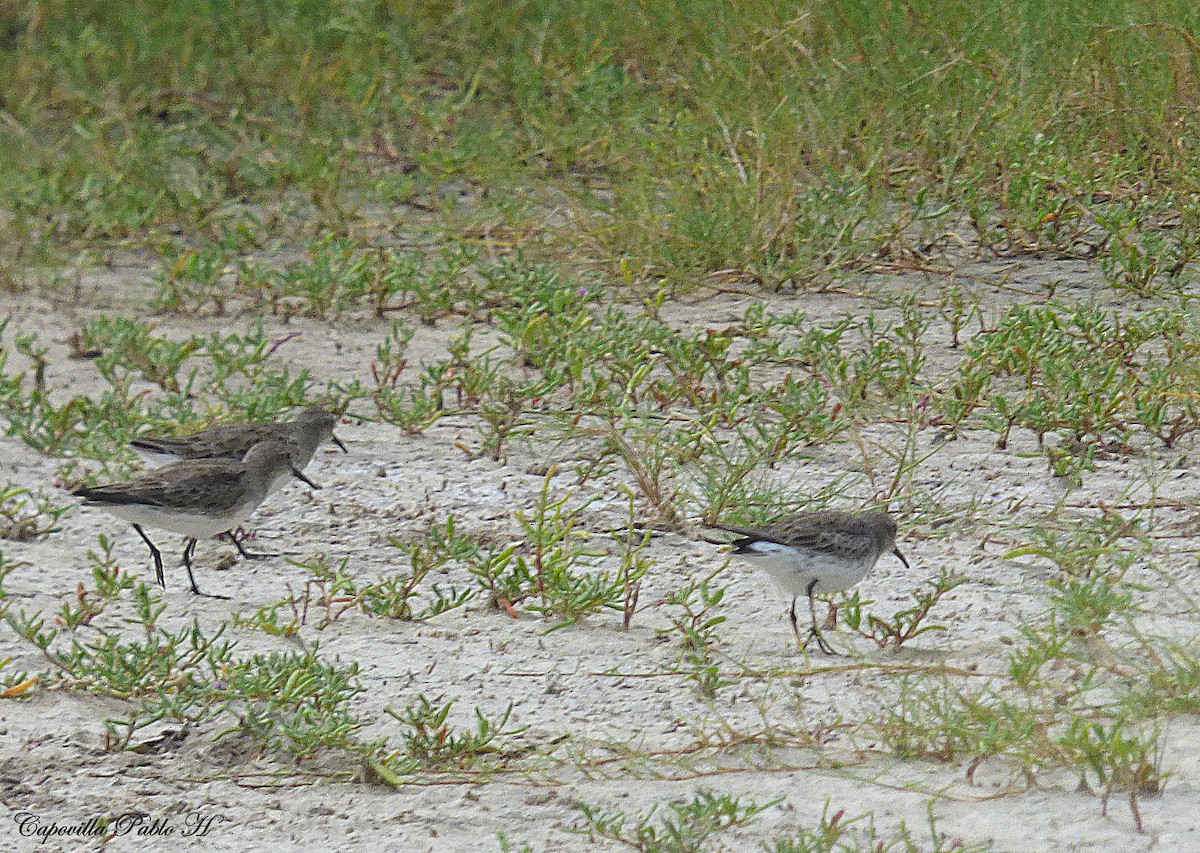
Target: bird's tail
(155, 445)
(105, 494)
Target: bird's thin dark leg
(803, 641)
(158, 564)
(815, 631)
(249, 555)
(188, 550)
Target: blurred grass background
(771, 141)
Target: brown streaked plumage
(814, 552)
(302, 435)
(196, 497)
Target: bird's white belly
(184, 523)
(793, 569)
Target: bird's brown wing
(226, 441)
(809, 530)
(158, 443)
(213, 484)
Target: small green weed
(696, 628)
(24, 517)
(429, 740)
(904, 624)
(690, 825)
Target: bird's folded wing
(211, 484)
(814, 537)
(159, 444)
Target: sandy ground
(593, 682)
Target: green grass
(533, 185)
(769, 143)
(198, 379)
(699, 823)
(291, 703)
(24, 516)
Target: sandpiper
(816, 552)
(302, 435)
(197, 497)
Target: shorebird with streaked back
(302, 435)
(197, 498)
(817, 552)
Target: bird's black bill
(338, 442)
(896, 551)
(299, 475)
